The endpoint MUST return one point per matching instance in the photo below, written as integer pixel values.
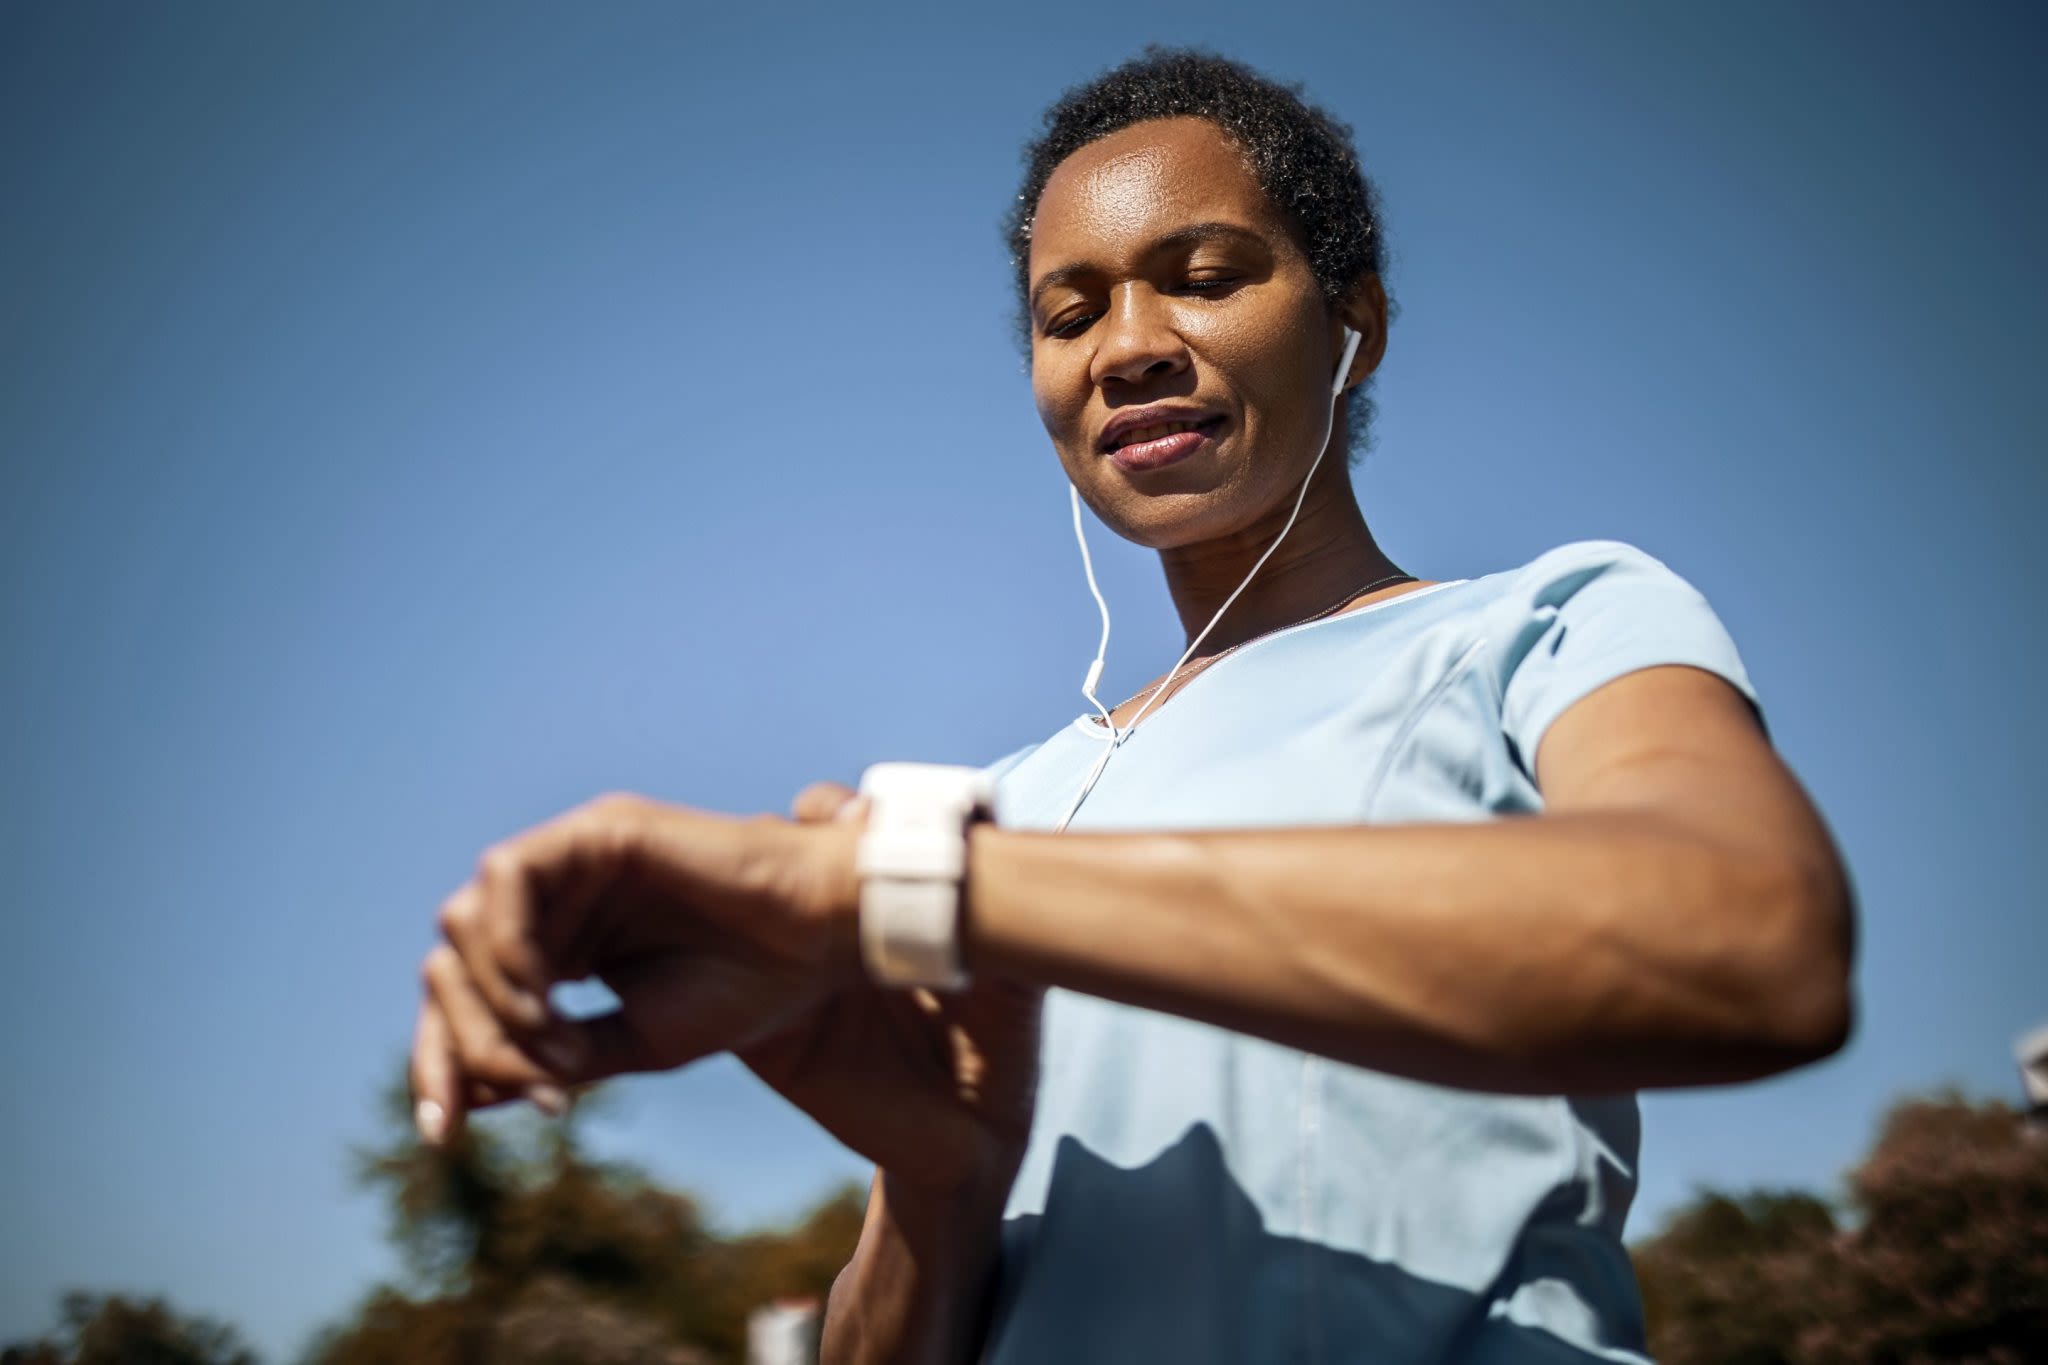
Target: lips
(1155, 422)
(1155, 430)
(1163, 444)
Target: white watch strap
(912, 863)
(909, 932)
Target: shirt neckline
(1092, 726)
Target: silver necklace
(1326, 611)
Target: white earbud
(1351, 340)
(1115, 736)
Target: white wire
(1115, 737)
(1094, 669)
(1102, 647)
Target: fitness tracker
(912, 864)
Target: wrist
(974, 939)
(827, 894)
(912, 864)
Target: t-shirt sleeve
(1587, 613)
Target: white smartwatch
(912, 862)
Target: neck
(1330, 553)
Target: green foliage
(1945, 1256)
(523, 1249)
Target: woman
(1351, 951)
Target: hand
(935, 1088)
(714, 932)
(718, 934)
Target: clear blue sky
(418, 420)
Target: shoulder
(1554, 576)
(1612, 577)
(1582, 614)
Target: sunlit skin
(1160, 272)
(1677, 915)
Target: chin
(1170, 520)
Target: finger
(481, 1048)
(443, 1098)
(675, 1008)
(483, 1095)
(535, 894)
(463, 924)
(665, 1019)
(821, 801)
(437, 1082)
(552, 1100)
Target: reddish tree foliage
(1943, 1256)
(522, 1250)
(1949, 1258)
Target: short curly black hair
(1302, 157)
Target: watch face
(928, 784)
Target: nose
(1136, 339)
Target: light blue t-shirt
(1190, 1194)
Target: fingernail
(432, 1121)
(531, 1009)
(549, 1099)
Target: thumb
(674, 1008)
(823, 801)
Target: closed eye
(1209, 286)
(1072, 327)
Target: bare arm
(1678, 915)
(917, 1288)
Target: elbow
(1805, 998)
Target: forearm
(917, 1288)
(1563, 953)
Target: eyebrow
(1194, 234)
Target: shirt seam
(1413, 721)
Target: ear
(1364, 310)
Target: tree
(520, 1249)
(1942, 1256)
(112, 1330)
(1949, 1260)
(523, 1249)
(1724, 1282)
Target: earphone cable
(1116, 736)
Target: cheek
(1271, 367)
(1264, 353)
(1060, 408)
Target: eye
(1211, 283)
(1070, 327)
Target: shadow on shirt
(1172, 1262)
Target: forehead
(1119, 191)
